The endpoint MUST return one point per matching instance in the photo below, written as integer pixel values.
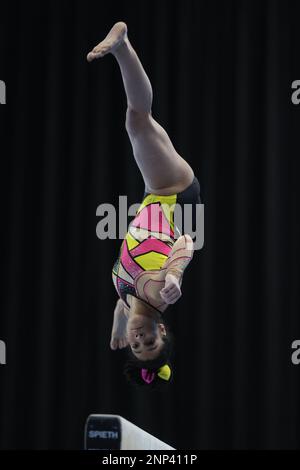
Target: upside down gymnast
(149, 270)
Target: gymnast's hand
(171, 292)
(118, 335)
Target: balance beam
(112, 432)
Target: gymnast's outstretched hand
(171, 291)
(118, 335)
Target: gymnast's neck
(139, 307)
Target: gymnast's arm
(121, 307)
(179, 258)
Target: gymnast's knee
(137, 121)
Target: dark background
(221, 74)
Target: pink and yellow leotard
(150, 249)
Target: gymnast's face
(145, 337)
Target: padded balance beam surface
(112, 432)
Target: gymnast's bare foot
(116, 36)
(118, 334)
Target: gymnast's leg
(163, 169)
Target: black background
(221, 74)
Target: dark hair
(133, 366)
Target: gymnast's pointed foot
(116, 36)
(118, 334)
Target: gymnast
(153, 256)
